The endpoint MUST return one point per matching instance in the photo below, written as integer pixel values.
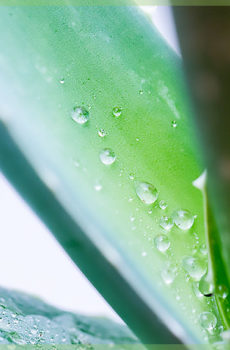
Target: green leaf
(108, 67)
(29, 320)
(216, 279)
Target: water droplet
(98, 187)
(197, 238)
(132, 218)
(168, 275)
(107, 156)
(137, 139)
(166, 223)
(62, 81)
(141, 92)
(206, 286)
(80, 115)
(208, 321)
(194, 251)
(203, 249)
(162, 243)
(194, 267)
(222, 291)
(174, 124)
(147, 193)
(76, 163)
(102, 133)
(131, 176)
(121, 172)
(183, 219)
(117, 111)
(163, 205)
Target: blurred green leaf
(28, 320)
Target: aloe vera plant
(96, 134)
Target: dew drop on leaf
(147, 193)
(203, 249)
(166, 223)
(117, 112)
(183, 219)
(101, 133)
(76, 163)
(162, 205)
(131, 176)
(222, 291)
(194, 267)
(168, 275)
(174, 124)
(162, 243)
(80, 115)
(206, 286)
(107, 156)
(98, 187)
(208, 320)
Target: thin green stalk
(216, 273)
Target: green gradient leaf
(58, 59)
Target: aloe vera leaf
(28, 320)
(216, 279)
(126, 301)
(58, 58)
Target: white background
(31, 260)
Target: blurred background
(31, 260)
